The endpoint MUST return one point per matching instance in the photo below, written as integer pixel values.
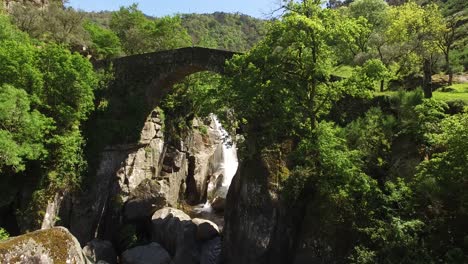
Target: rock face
(52, 212)
(126, 174)
(202, 167)
(134, 181)
(255, 231)
(149, 254)
(54, 245)
(144, 200)
(100, 250)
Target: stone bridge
(141, 81)
(156, 72)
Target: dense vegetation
(389, 170)
(46, 93)
(386, 184)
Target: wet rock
(100, 250)
(202, 164)
(55, 245)
(206, 229)
(149, 254)
(218, 204)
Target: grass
(457, 91)
(343, 71)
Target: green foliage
(105, 43)
(52, 24)
(440, 187)
(235, 32)
(22, 130)
(374, 11)
(372, 136)
(139, 34)
(3, 234)
(46, 92)
(196, 96)
(283, 85)
(68, 81)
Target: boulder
(218, 204)
(174, 230)
(100, 250)
(149, 254)
(211, 251)
(55, 245)
(144, 200)
(206, 229)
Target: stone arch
(156, 72)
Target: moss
(53, 240)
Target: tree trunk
(382, 85)
(449, 68)
(427, 81)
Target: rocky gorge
(130, 210)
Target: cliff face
(135, 180)
(259, 226)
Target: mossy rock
(56, 245)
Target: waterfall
(224, 165)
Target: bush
(3, 234)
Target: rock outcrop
(174, 230)
(100, 250)
(149, 254)
(256, 230)
(121, 171)
(206, 229)
(188, 240)
(55, 245)
(201, 166)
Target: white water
(225, 163)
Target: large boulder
(144, 200)
(174, 230)
(55, 245)
(100, 250)
(206, 229)
(211, 251)
(149, 254)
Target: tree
(441, 189)
(447, 38)
(46, 94)
(414, 30)
(138, 34)
(283, 85)
(104, 42)
(376, 14)
(22, 130)
(52, 24)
